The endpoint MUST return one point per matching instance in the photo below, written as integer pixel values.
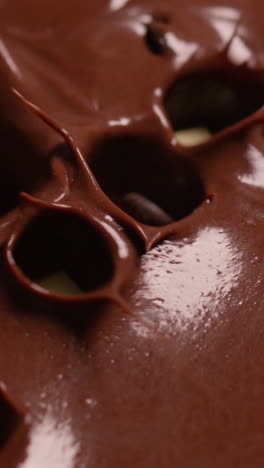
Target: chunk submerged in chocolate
(211, 102)
(144, 210)
(165, 367)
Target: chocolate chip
(145, 210)
(155, 39)
(208, 101)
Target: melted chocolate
(159, 360)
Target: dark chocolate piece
(145, 210)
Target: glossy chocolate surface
(159, 361)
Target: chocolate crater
(147, 179)
(63, 152)
(65, 244)
(213, 100)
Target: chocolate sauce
(144, 210)
(159, 360)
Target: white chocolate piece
(192, 136)
(60, 283)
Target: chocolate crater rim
(145, 176)
(23, 280)
(227, 74)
